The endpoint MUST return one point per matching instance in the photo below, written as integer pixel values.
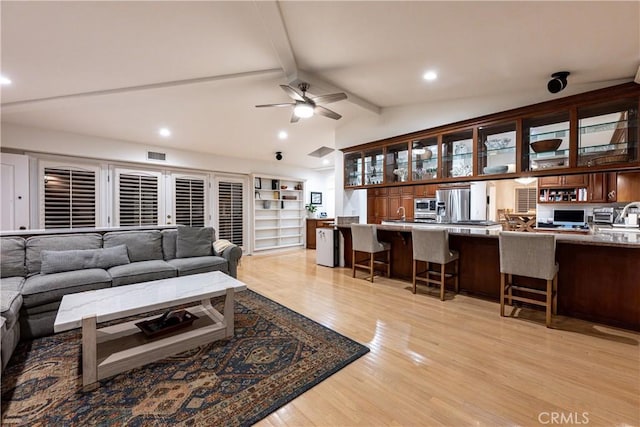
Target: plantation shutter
(230, 212)
(526, 199)
(69, 198)
(138, 199)
(190, 201)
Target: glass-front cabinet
(397, 163)
(457, 154)
(608, 133)
(546, 141)
(424, 159)
(353, 169)
(497, 149)
(580, 134)
(374, 166)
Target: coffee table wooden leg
(229, 310)
(89, 351)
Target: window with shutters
(189, 201)
(137, 195)
(230, 212)
(526, 198)
(68, 197)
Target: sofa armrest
(232, 254)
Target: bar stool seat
(365, 239)
(528, 255)
(432, 247)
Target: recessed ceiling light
(430, 75)
(283, 135)
(325, 161)
(164, 132)
(4, 80)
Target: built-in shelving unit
(278, 212)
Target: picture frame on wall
(257, 183)
(316, 198)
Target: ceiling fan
(305, 106)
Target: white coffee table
(118, 348)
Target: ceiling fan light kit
(304, 106)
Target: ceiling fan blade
(288, 104)
(326, 99)
(292, 93)
(294, 118)
(327, 113)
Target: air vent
(322, 151)
(153, 155)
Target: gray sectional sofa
(37, 271)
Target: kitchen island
(599, 277)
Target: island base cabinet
(599, 283)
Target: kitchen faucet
(623, 214)
(403, 217)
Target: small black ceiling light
(278, 155)
(558, 81)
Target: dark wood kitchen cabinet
(628, 187)
(602, 187)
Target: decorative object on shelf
(545, 145)
(495, 169)
(298, 187)
(283, 187)
(316, 198)
(257, 183)
(497, 143)
(266, 204)
(168, 322)
(463, 170)
(459, 148)
(401, 173)
(274, 184)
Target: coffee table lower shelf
(114, 349)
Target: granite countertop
(597, 236)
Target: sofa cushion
(45, 288)
(194, 241)
(59, 261)
(60, 242)
(200, 264)
(12, 252)
(142, 271)
(141, 245)
(169, 243)
(12, 284)
(10, 304)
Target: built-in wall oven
(424, 209)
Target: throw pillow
(194, 241)
(220, 245)
(60, 261)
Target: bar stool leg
(549, 302)
(442, 273)
(415, 271)
(457, 279)
(502, 283)
(353, 263)
(371, 260)
(555, 294)
(510, 283)
(388, 263)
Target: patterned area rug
(275, 355)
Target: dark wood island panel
(596, 282)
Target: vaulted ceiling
(121, 70)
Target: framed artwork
(257, 183)
(316, 198)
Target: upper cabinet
(592, 132)
(608, 133)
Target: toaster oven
(603, 215)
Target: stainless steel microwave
(424, 208)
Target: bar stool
(529, 255)
(365, 239)
(432, 246)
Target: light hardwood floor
(450, 363)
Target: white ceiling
(123, 69)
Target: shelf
(563, 133)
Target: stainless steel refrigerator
(453, 205)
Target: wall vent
(153, 155)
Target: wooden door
(549, 181)
(581, 180)
(628, 187)
(597, 187)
